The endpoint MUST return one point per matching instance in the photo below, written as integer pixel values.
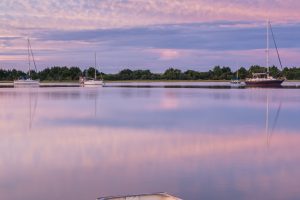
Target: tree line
(217, 73)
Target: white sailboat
(265, 79)
(92, 81)
(28, 82)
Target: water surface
(82, 143)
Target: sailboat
(89, 81)
(236, 80)
(265, 79)
(28, 82)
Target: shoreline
(224, 84)
(138, 81)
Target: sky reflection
(81, 143)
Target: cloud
(168, 54)
(220, 35)
(80, 14)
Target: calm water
(82, 143)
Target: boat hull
(92, 82)
(26, 83)
(264, 83)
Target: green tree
(125, 74)
(216, 73)
(191, 75)
(275, 72)
(172, 74)
(243, 73)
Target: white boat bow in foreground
(156, 196)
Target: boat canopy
(259, 75)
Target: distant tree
(90, 72)
(75, 72)
(205, 75)
(125, 74)
(291, 73)
(57, 73)
(275, 72)
(191, 75)
(219, 73)
(33, 75)
(226, 73)
(243, 73)
(172, 74)
(141, 75)
(216, 72)
(156, 76)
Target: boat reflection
(269, 132)
(33, 101)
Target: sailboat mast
(28, 50)
(95, 66)
(268, 25)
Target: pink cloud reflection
(105, 156)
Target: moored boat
(86, 81)
(265, 79)
(28, 82)
(93, 82)
(236, 82)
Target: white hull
(26, 83)
(235, 82)
(93, 82)
(158, 196)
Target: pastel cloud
(90, 14)
(167, 54)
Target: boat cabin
(260, 75)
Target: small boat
(236, 81)
(156, 196)
(265, 79)
(28, 82)
(86, 81)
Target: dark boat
(264, 79)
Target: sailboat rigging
(265, 79)
(28, 81)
